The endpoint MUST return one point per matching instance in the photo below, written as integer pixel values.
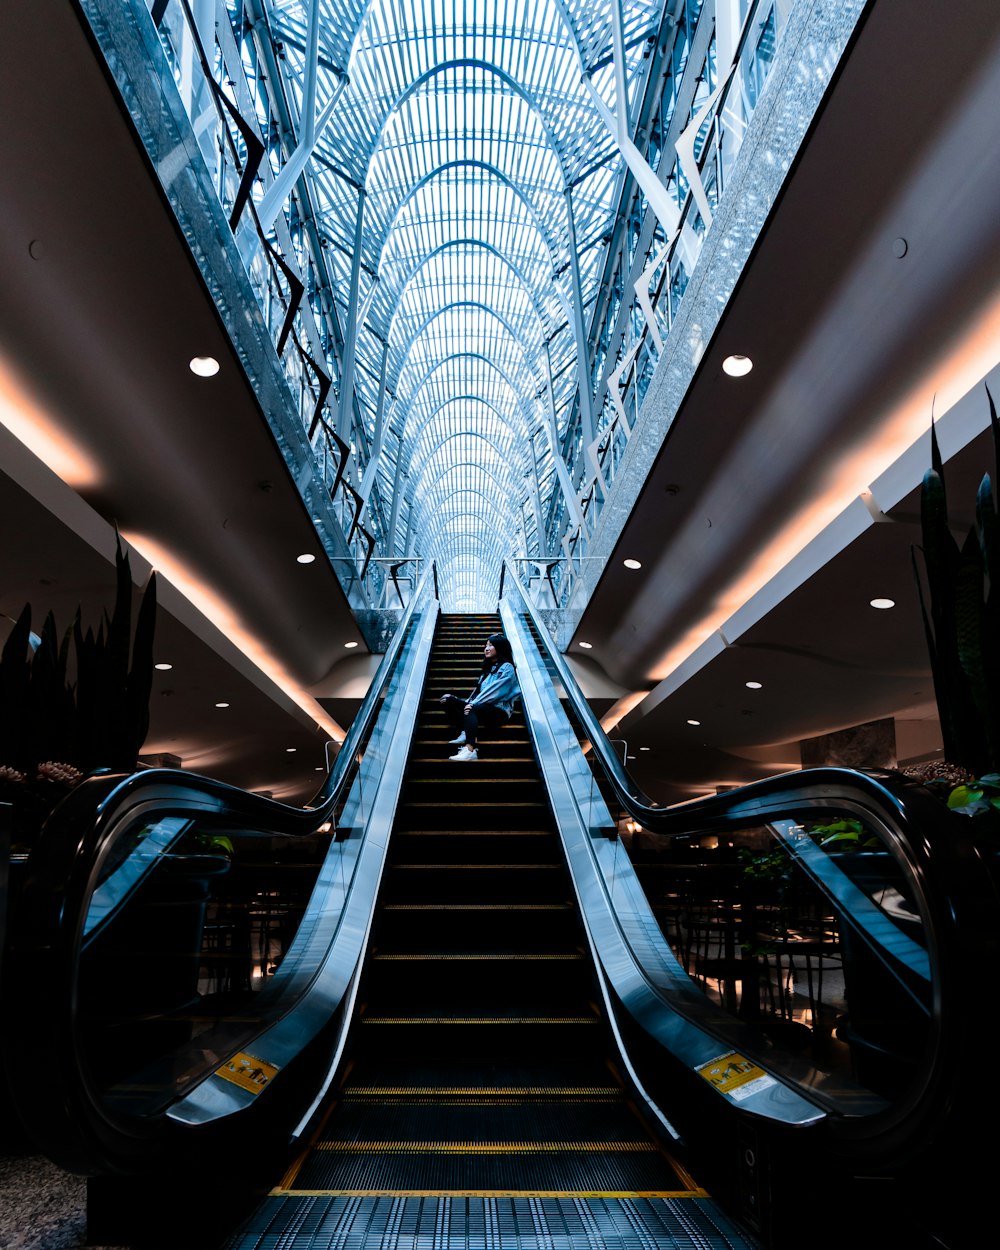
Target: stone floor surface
(42, 1207)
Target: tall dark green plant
(98, 720)
(962, 621)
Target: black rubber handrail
(55, 894)
(782, 795)
(954, 871)
(222, 804)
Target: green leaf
(961, 795)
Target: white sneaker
(459, 741)
(465, 753)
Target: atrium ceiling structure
(464, 186)
(470, 289)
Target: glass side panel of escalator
(811, 931)
(180, 957)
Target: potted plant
(961, 616)
(62, 718)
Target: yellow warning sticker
(247, 1071)
(735, 1075)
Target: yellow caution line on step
(472, 1091)
(459, 1100)
(488, 1147)
(453, 867)
(476, 907)
(509, 956)
(479, 1020)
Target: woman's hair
(504, 654)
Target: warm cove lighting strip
(220, 614)
(942, 386)
(23, 417)
(32, 426)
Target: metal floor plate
(470, 1223)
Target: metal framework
(469, 224)
(440, 179)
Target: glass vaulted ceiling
(457, 149)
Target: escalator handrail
(80, 1132)
(888, 793)
(221, 802)
(333, 788)
(948, 861)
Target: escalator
(481, 1089)
(534, 1050)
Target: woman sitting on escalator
(490, 704)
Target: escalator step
(479, 1036)
(529, 927)
(478, 956)
(476, 883)
(556, 907)
(521, 1126)
(497, 1097)
(448, 845)
(463, 1166)
(439, 815)
(551, 982)
(502, 1021)
(563, 1077)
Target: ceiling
(102, 307)
(854, 347)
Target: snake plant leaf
(140, 677)
(14, 678)
(979, 751)
(961, 616)
(937, 464)
(989, 537)
(940, 552)
(949, 730)
(995, 427)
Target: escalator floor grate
(489, 1223)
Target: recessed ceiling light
(587, 646)
(630, 757)
(694, 722)
(883, 603)
(349, 645)
(305, 558)
(222, 705)
(290, 750)
(755, 685)
(164, 668)
(644, 748)
(632, 564)
(737, 366)
(204, 366)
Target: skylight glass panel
(456, 135)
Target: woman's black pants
(487, 715)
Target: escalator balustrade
(479, 1085)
